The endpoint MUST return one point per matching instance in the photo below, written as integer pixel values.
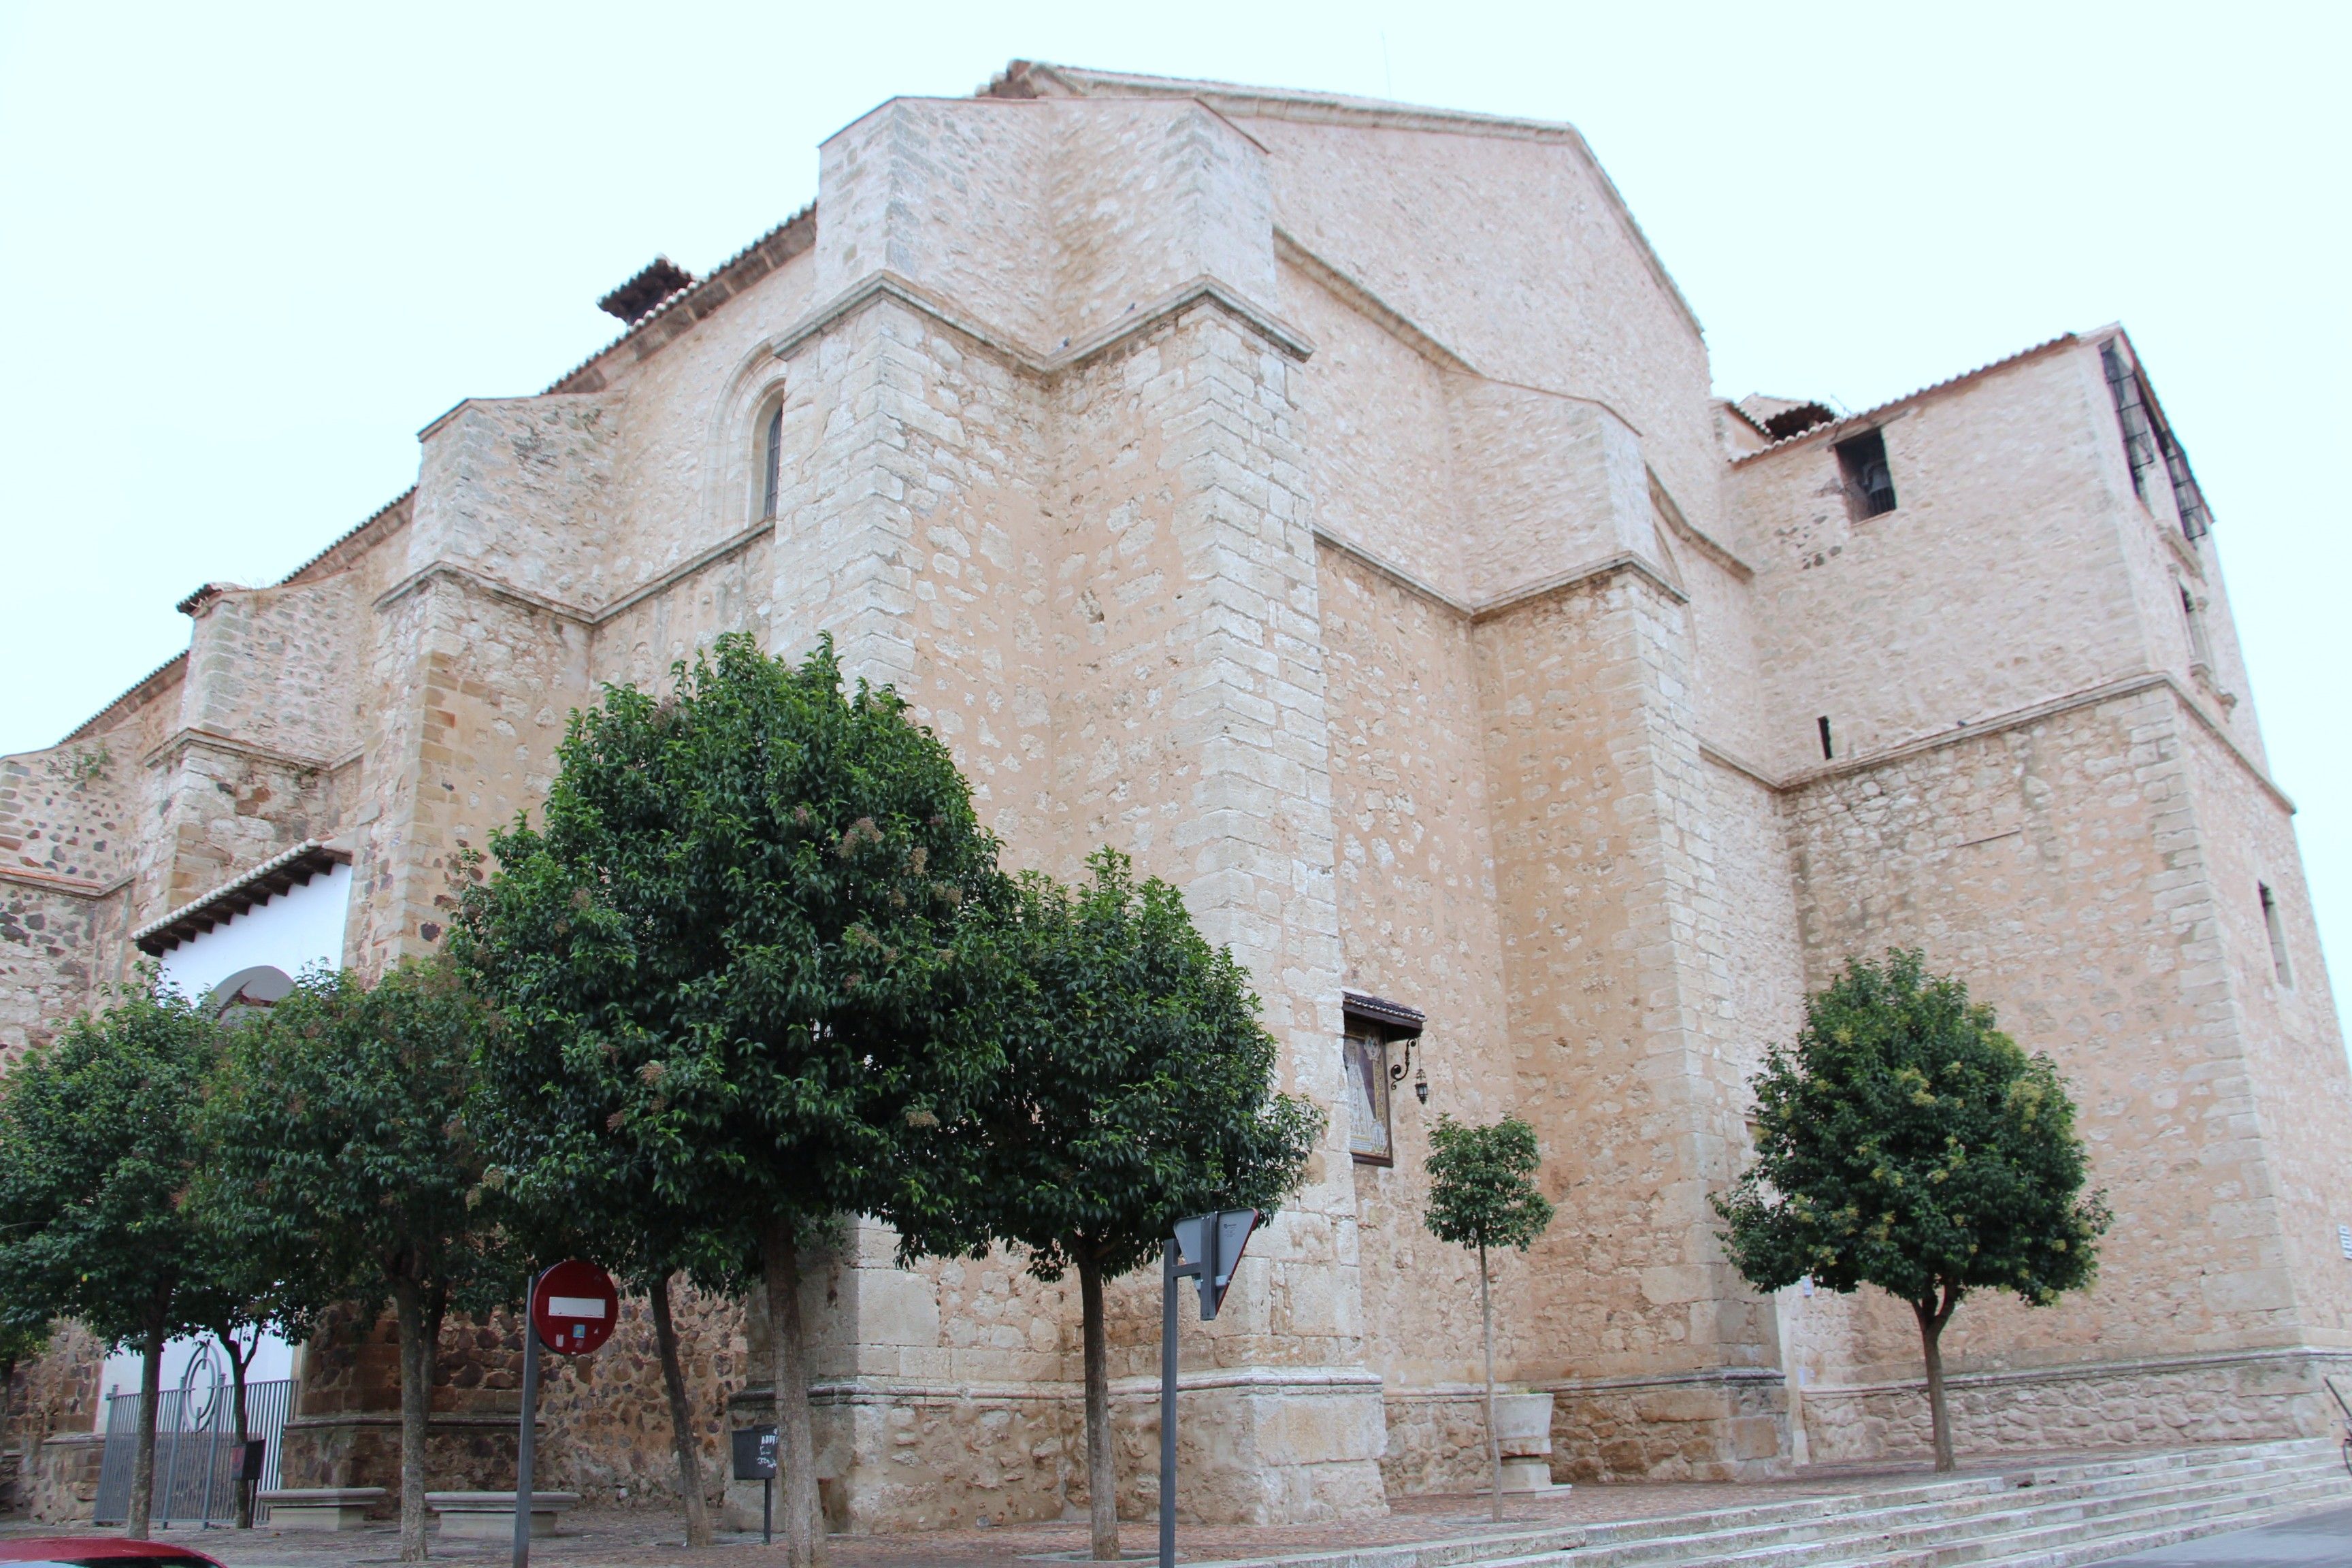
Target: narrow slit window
(2201, 651)
(1829, 752)
(2276, 929)
(1869, 481)
(771, 462)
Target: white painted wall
(272, 1358)
(299, 928)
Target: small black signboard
(755, 1453)
(755, 1460)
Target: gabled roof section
(1868, 417)
(279, 874)
(1237, 100)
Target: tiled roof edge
(1880, 410)
(680, 311)
(136, 688)
(319, 852)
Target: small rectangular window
(1829, 752)
(2276, 928)
(1869, 482)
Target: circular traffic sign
(573, 1307)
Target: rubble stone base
(1728, 1425)
(1261, 1445)
(2236, 1397)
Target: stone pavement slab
(2322, 1540)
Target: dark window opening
(1829, 752)
(772, 458)
(2149, 441)
(2276, 929)
(1869, 482)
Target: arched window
(771, 458)
(236, 1000)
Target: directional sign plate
(574, 1307)
(1211, 1243)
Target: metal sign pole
(1168, 1409)
(525, 1444)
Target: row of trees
(758, 969)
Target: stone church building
(1326, 501)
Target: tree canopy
(1482, 1190)
(1483, 1195)
(1138, 1088)
(736, 963)
(97, 1147)
(1904, 1141)
(344, 1156)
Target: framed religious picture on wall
(1379, 1034)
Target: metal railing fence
(196, 1450)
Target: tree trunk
(416, 1392)
(1494, 1438)
(1931, 1336)
(681, 1417)
(229, 1344)
(142, 1465)
(1102, 1461)
(796, 1441)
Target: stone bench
(319, 1508)
(489, 1516)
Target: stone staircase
(2045, 1516)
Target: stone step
(1803, 1539)
(1985, 1538)
(2092, 1496)
(2158, 1525)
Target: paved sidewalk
(648, 1538)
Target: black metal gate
(195, 1446)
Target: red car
(100, 1552)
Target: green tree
(1904, 1141)
(1482, 1194)
(585, 1193)
(342, 1159)
(1138, 1088)
(738, 948)
(97, 1147)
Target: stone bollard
(1523, 1430)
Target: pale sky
(251, 252)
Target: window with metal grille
(1869, 482)
(2148, 442)
(772, 462)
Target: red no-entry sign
(572, 1307)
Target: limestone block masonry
(1326, 503)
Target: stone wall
(2245, 1397)
(1324, 503)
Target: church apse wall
(1326, 504)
